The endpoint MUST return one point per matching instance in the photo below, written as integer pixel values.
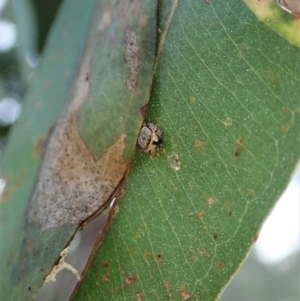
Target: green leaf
(79, 172)
(226, 95)
(23, 16)
(22, 273)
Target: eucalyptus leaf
(226, 95)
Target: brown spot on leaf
(200, 214)
(106, 277)
(240, 147)
(284, 128)
(105, 264)
(87, 77)
(5, 195)
(219, 265)
(166, 285)
(210, 200)
(146, 255)
(39, 146)
(138, 296)
(29, 288)
(131, 279)
(229, 213)
(216, 235)
(130, 251)
(192, 99)
(143, 109)
(185, 295)
(199, 144)
(201, 251)
(160, 258)
(255, 238)
(41, 143)
(228, 121)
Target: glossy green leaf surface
(226, 95)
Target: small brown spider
(149, 138)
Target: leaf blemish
(143, 109)
(192, 99)
(228, 121)
(132, 56)
(185, 295)
(106, 277)
(146, 255)
(138, 296)
(199, 144)
(210, 200)
(216, 235)
(62, 194)
(166, 285)
(219, 265)
(255, 238)
(5, 195)
(200, 214)
(105, 264)
(131, 279)
(174, 162)
(40, 144)
(240, 146)
(203, 253)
